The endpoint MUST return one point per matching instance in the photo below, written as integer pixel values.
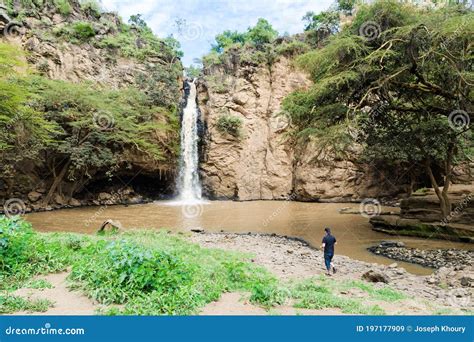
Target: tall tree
(402, 76)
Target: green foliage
(310, 295)
(11, 304)
(38, 284)
(157, 273)
(82, 30)
(77, 32)
(229, 38)
(138, 21)
(346, 5)
(161, 86)
(193, 71)
(326, 21)
(22, 130)
(24, 253)
(395, 90)
(257, 36)
(229, 124)
(15, 239)
(120, 271)
(91, 7)
(292, 48)
(63, 6)
(269, 294)
(98, 125)
(385, 293)
(262, 33)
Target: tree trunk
(444, 201)
(56, 182)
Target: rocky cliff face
(262, 163)
(81, 44)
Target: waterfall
(189, 186)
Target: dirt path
(66, 302)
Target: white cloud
(208, 18)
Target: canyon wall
(261, 162)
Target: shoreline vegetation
(159, 273)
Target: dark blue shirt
(329, 242)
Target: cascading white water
(189, 186)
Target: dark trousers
(327, 260)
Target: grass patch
(11, 304)
(386, 294)
(311, 295)
(39, 284)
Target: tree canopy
(394, 80)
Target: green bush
(83, 30)
(91, 7)
(24, 253)
(229, 124)
(120, 271)
(15, 241)
(292, 48)
(63, 6)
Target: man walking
(328, 246)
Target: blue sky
(204, 19)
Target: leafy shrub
(83, 30)
(229, 124)
(119, 271)
(91, 7)
(292, 48)
(269, 294)
(15, 241)
(24, 253)
(63, 6)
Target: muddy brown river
(295, 219)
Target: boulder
(74, 202)
(60, 200)
(34, 196)
(376, 277)
(104, 196)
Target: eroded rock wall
(262, 163)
